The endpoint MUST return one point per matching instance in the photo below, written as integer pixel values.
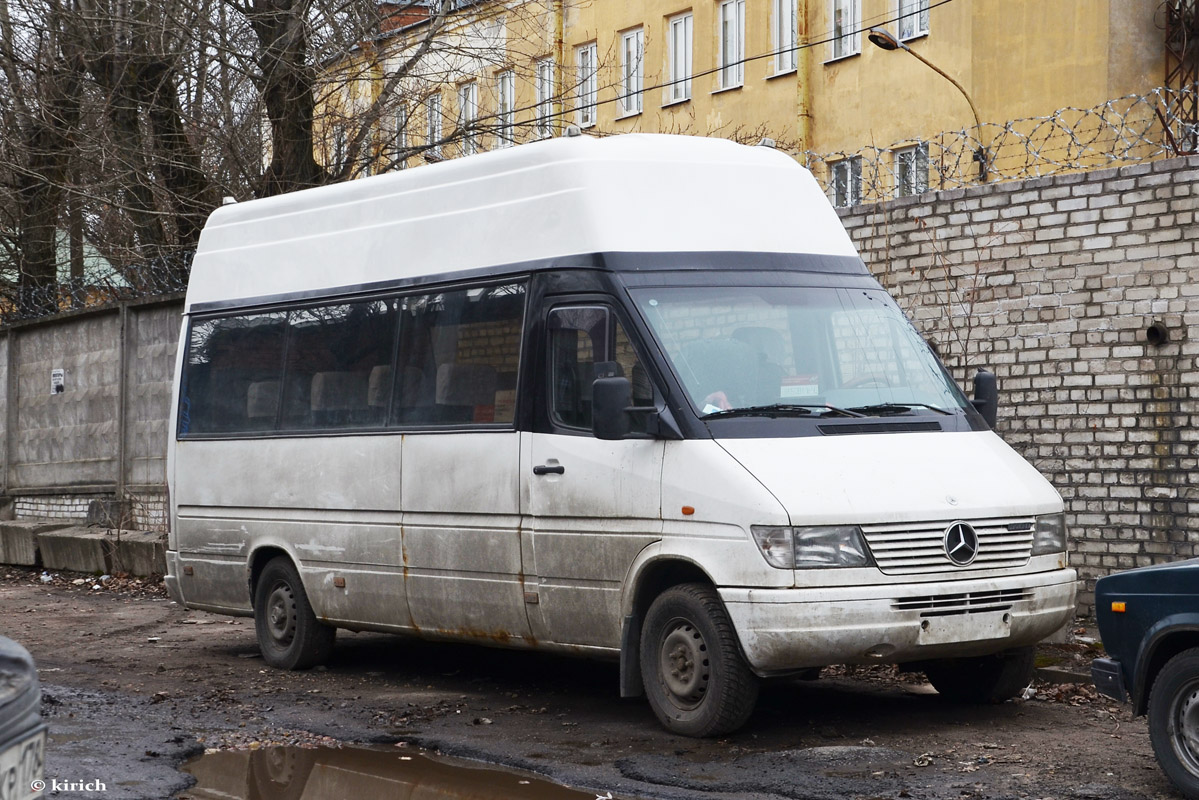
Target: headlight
(1050, 534)
(804, 548)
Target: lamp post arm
(948, 77)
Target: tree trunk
(287, 83)
(40, 189)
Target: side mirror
(610, 401)
(986, 396)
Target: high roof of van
(578, 195)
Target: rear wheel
(289, 634)
(695, 678)
(984, 679)
(1174, 721)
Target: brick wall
(1066, 287)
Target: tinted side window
(585, 342)
(459, 353)
(578, 339)
(232, 377)
(338, 372)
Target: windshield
(773, 351)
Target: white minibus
(634, 397)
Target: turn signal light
(1118, 607)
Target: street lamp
(884, 40)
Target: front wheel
(695, 678)
(984, 679)
(289, 634)
(1174, 721)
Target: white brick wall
(1052, 283)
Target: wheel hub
(281, 615)
(684, 665)
(1186, 728)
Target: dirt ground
(134, 685)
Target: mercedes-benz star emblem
(961, 543)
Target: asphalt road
(135, 685)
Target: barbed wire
(27, 300)
(1124, 130)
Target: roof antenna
(766, 142)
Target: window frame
(505, 108)
(632, 73)
(433, 125)
(918, 155)
(679, 88)
(587, 76)
(784, 36)
(544, 127)
(852, 166)
(730, 67)
(848, 43)
(914, 13)
(468, 99)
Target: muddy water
(290, 773)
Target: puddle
(287, 773)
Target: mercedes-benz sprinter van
(634, 397)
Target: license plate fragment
(21, 766)
(964, 628)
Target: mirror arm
(659, 422)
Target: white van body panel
(400, 225)
(584, 528)
(462, 549)
(912, 477)
(288, 494)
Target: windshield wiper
(780, 410)
(884, 409)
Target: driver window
(583, 341)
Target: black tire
(1174, 721)
(695, 677)
(984, 679)
(289, 634)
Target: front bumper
(789, 629)
(1109, 678)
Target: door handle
(546, 469)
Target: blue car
(22, 732)
(1149, 622)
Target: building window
(913, 18)
(732, 43)
(585, 59)
(911, 170)
(468, 112)
(545, 98)
(505, 92)
(785, 35)
(433, 125)
(680, 59)
(847, 182)
(847, 21)
(401, 137)
(632, 71)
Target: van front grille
(910, 548)
(948, 605)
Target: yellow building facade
(870, 122)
